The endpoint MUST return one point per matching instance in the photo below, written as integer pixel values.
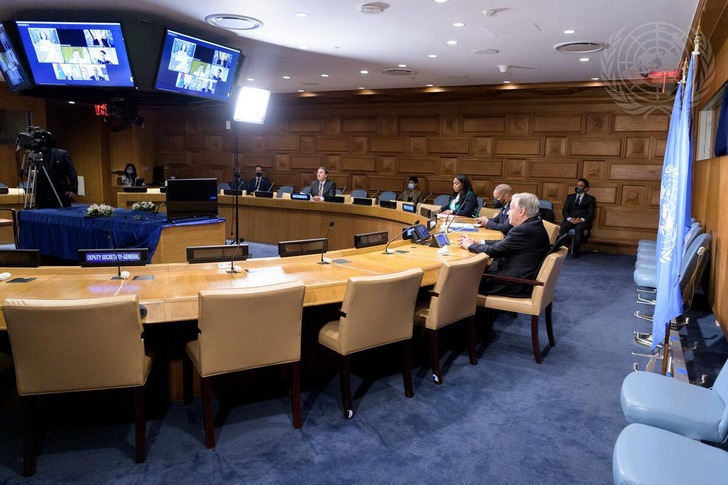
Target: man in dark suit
(259, 182)
(501, 200)
(62, 176)
(578, 213)
(519, 254)
(322, 186)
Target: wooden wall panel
(554, 169)
(331, 144)
(558, 123)
(449, 145)
(417, 166)
(596, 147)
(622, 171)
(422, 124)
(351, 164)
(635, 123)
(475, 167)
(392, 144)
(484, 124)
(517, 146)
(359, 125)
(307, 125)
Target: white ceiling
(340, 41)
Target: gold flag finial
(684, 72)
(696, 41)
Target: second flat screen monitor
(76, 53)
(191, 198)
(196, 67)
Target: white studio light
(251, 105)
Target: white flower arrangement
(145, 205)
(99, 210)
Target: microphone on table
(428, 196)
(374, 196)
(386, 248)
(156, 210)
(343, 190)
(326, 244)
(120, 275)
(233, 268)
(271, 186)
(400, 195)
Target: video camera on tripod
(35, 141)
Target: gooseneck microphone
(233, 268)
(119, 274)
(386, 248)
(326, 244)
(270, 189)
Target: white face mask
(411, 186)
(129, 172)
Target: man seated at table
(519, 254)
(501, 200)
(259, 182)
(322, 186)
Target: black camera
(35, 139)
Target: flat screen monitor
(11, 65)
(76, 54)
(197, 67)
(191, 198)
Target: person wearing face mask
(259, 182)
(501, 200)
(412, 193)
(578, 213)
(129, 176)
(519, 254)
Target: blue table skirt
(62, 232)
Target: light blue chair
(686, 409)
(360, 193)
(284, 189)
(481, 203)
(387, 195)
(647, 455)
(546, 204)
(306, 190)
(222, 186)
(647, 277)
(441, 200)
(647, 257)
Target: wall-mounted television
(197, 67)
(11, 64)
(191, 198)
(76, 53)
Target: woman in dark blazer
(463, 201)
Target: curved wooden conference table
(170, 291)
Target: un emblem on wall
(640, 62)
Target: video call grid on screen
(196, 67)
(13, 71)
(76, 53)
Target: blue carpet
(505, 421)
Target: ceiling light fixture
(432, 56)
(302, 14)
(363, 72)
(584, 59)
(373, 8)
(569, 31)
(458, 24)
(579, 47)
(451, 42)
(231, 21)
(503, 68)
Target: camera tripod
(35, 163)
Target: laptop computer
(139, 182)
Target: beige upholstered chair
(12, 221)
(454, 298)
(540, 301)
(488, 212)
(377, 310)
(232, 338)
(62, 346)
(552, 230)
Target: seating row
(95, 344)
(668, 419)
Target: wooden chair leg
(207, 417)
(434, 357)
(345, 382)
(140, 426)
(28, 412)
(296, 394)
(549, 326)
(187, 379)
(534, 339)
(470, 338)
(409, 390)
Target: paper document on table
(462, 226)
